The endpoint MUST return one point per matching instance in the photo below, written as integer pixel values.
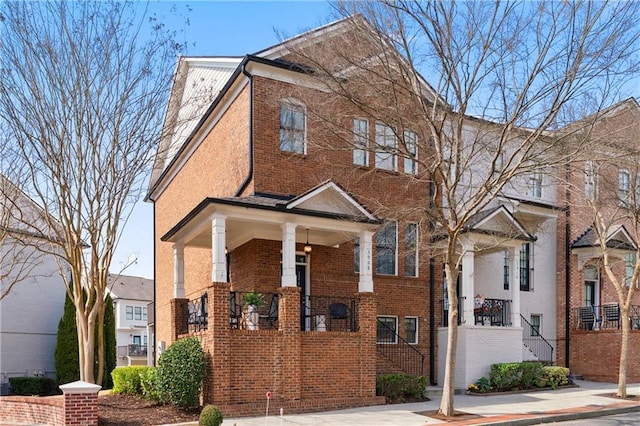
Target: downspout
(567, 272)
(155, 305)
(249, 175)
(432, 320)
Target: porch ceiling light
(307, 246)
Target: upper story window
(411, 250)
(411, 145)
(385, 148)
(292, 127)
(138, 313)
(386, 249)
(505, 271)
(535, 184)
(360, 142)
(590, 181)
(356, 254)
(629, 266)
(129, 312)
(624, 186)
(499, 163)
(525, 267)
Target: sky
(214, 28)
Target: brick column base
(80, 403)
(368, 354)
(289, 325)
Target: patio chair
(611, 314)
(338, 311)
(586, 318)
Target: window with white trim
(387, 330)
(292, 127)
(505, 271)
(411, 145)
(385, 154)
(629, 266)
(536, 324)
(411, 250)
(356, 254)
(360, 142)
(144, 313)
(525, 267)
(386, 249)
(499, 162)
(535, 184)
(138, 313)
(624, 185)
(590, 181)
(129, 312)
(411, 330)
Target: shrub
(148, 381)
(531, 373)
(42, 386)
(505, 376)
(210, 416)
(482, 385)
(180, 372)
(400, 387)
(556, 376)
(127, 380)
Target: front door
(301, 281)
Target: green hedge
(128, 380)
(41, 386)
(180, 371)
(521, 375)
(401, 387)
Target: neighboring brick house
(131, 297)
(247, 200)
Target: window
(499, 164)
(590, 181)
(386, 244)
(138, 311)
(525, 267)
(387, 330)
(411, 144)
(292, 127)
(411, 250)
(629, 266)
(144, 313)
(360, 142)
(623, 187)
(411, 330)
(505, 275)
(591, 284)
(535, 321)
(385, 148)
(356, 254)
(129, 312)
(535, 185)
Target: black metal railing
(132, 350)
(603, 317)
(398, 351)
(253, 311)
(533, 340)
(195, 315)
(327, 313)
(495, 312)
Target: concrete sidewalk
(588, 400)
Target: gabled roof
(130, 287)
(331, 198)
(500, 222)
(619, 238)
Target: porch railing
(400, 352)
(495, 312)
(533, 340)
(195, 316)
(263, 316)
(327, 313)
(603, 317)
(132, 350)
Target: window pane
(386, 249)
(411, 330)
(360, 142)
(387, 329)
(385, 147)
(411, 144)
(505, 277)
(292, 128)
(129, 312)
(535, 325)
(525, 279)
(356, 254)
(138, 315)
(410, 248)
(629, 263)
(144, 314)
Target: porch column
(514, 286)
(365, 285)
(289, 255)
(466, 282)
(178, 271)
(218, 244)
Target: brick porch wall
(595, 355)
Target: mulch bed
(126, 410)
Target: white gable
(330, 198)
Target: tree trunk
(100, 348)
(448, 384)
(622, 369)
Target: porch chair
(586, 318)
(611, 314)
(338, 311)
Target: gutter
(249, 175)
(567, 275)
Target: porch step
(574, 376)
(433, 392)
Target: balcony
(604, 317)
(132, 350)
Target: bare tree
(83, 90)
(498, 79)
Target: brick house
(247, 199)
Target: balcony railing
(327, 313)
(195, 315)
(495, 312)
(132, 350)
(604, 317)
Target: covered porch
(267, 321)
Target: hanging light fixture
(307, 246)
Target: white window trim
(417, 330)
(415, 254)
(295, 103)
(624, 201)
(395, 336)
(390, 151)
(539, 323)
(536, 184)
(412, 163)
(366, 142)
(590, 181)
(395, 257)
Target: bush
(148, 381)
(400, 387)
(41, 386)
(210, 416)
(506, 376)
(556, 376)
(531, 372)
(481, 386)
(127, 380)
(180, 372)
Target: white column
(178, 271)
(466, 282)
(288, 255)
(218, 244)
(514, 286)
(365, 285)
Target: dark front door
(301, 280)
